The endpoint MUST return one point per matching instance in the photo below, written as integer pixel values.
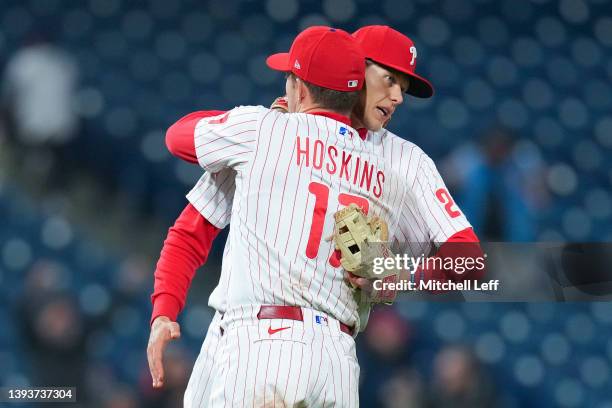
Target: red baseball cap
(390, 48)
(324, 56)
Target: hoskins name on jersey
(338, 162)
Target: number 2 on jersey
(321, 193)
(446, 199)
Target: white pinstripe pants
(306, 364)
(198, 389)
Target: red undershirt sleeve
(465, 244)
(185, 249)
(180, 136)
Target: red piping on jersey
(363, 133)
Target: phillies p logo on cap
(353, 83)
(413, 53)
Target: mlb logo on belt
(321, 320)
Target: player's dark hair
(337, 101)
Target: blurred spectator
(134, 276)
(404, 390)
(38, 90)
(45, 277)
(500, 185)
(459, 381)
(383, 352)
(53, 330)
(54, 333)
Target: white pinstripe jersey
(291, 173)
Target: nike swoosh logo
(271, 331)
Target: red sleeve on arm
(463, 244)
(180, 136)
(185, 249)
(466, 235)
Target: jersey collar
(334, 116)
(363, 132)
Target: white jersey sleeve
(227, 140)
(434, 205)
(213, 196)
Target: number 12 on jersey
(321, 193)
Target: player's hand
(367, 287)
(280, 104)
(358, 282)
(162, 331)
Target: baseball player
(238, 140)
(385, 85)
(288, 310)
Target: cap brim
(419, 87)
(279, 62)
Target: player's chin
(375, 125)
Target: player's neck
(357, 123)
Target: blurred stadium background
(520, 128)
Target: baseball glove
(360, 240)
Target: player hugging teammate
(287, 305)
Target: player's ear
(302, 90)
